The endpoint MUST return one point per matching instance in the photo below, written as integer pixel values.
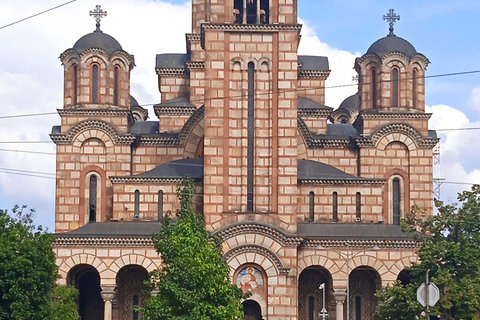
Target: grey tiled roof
(97, 39)
(351, 103)
(313, 63)
(392, 43)
(114, 229)
(341, 130)
(171, 60)
(183, 101)
(176, 169)
(305, 103)
(309, 169)
(364, 231)
(144, 127)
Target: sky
(31, 75)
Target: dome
(97, 39)
(351, 103)
(392, 43)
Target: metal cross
(391, 17)
(98, 14)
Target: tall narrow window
(264, 11)
(160, 205)
(251, 136)
(395, 87)
(252, 11)
(75, 84)
(358, 308)
(137, 205)
(92, 199)
(135, 304)
(335, 207)
(115, 86)
(238, 11)
(374, 88)
(396, 201)
(414, 88)
(311, 206)
(94, 83)
(359, 206)
(311, 308)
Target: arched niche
(86, 279)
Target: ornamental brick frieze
(163, 139)
(397, 128)
(94, 112)
(313, 74)
(318, 113)
(102, 242)
(359, 244)
(395, 115)
(174, 111)
(345, 182)
(195, 65)
(251, 27)
(314, 142)
(145, 180)
(108, 128)
(172, 72)
(192, 37)
(258, 228)
(96, 51)
(261, 251)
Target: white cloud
(341, 64)
(474, 100)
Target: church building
(306, 197)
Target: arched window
(137, 205)
(92, 199)
(335, 207)
(414, 88)
(358, 210)
(95, 83)
(115, 86)
(75, 84)
(257, 11)
(374, 88)
(251, 133)
(396, 201)
(160, 205)
(395, 87)
(311, 206)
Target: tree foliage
(193, 282)
(449, 245)
(64, 306)
(27, 268)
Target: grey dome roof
(351, 103)
(392, 43)
(97, 39)
(133, 102)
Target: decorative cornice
(252, 27)
(406, 244)
(196, 117)
(165, 140)
(395, 115)
(361, 181)
(257, 228)
(61, 241)
(195, 65)
(192, 37)
(93, 112)
(173, 111)
(317, 113)
(317, 142)
(171, 72)
(313, 74)
(108, 128)
(261, 251)
(149, 180)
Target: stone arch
(259, 254)
(397, 62)
(264, 64)
(238, 259)
(400, 132)
(395, 57)
(237, 62)
(133, 259)
(259, 296)
(81, 258)
(86, 279)
(301, 147)
(99, 129)
(94, 55)
(194, 138)
(310, 295)
(321, 260)
(98, 171)
(130, 290)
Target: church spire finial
(98, 14)
(391, 17)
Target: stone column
(108, 293)
(339, 295)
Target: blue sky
(31, 75)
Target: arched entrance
(364, 282)
(87, 281)
(310, 296)
(131, 291)
(251, 310)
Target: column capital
(108, 293)
(339, 294)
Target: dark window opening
(115, 87)
(311, 308)
(75, 84)
(160, 205)
(252, 310)
(335, 207)
(257, 11)
(311, 206)
(92, 199)
(396, 201)
(358, 308)
(359, 206)
(374, 88)
(251, 135)
(395, 88)
(251, 11)
(135, 304)
(414, 89)
(95, 84)
(137, 205)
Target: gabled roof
(305, 103)
(309, 169)
(172, 60)
(183, 101)
(176, 169)
(114, 229)
(313, 63)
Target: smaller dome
(351, 103)
(392, 43)
(133, 102)
(97, 39)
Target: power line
(27, 174)
(28, 171)
(37, 14)
(28, 114)
(41, 141)
(27, 151)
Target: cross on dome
(391, 17)
(98, 14)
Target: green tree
(27, 268)
(449, 245)
(193, 282)
(64, 306)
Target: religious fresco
(250, 279)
